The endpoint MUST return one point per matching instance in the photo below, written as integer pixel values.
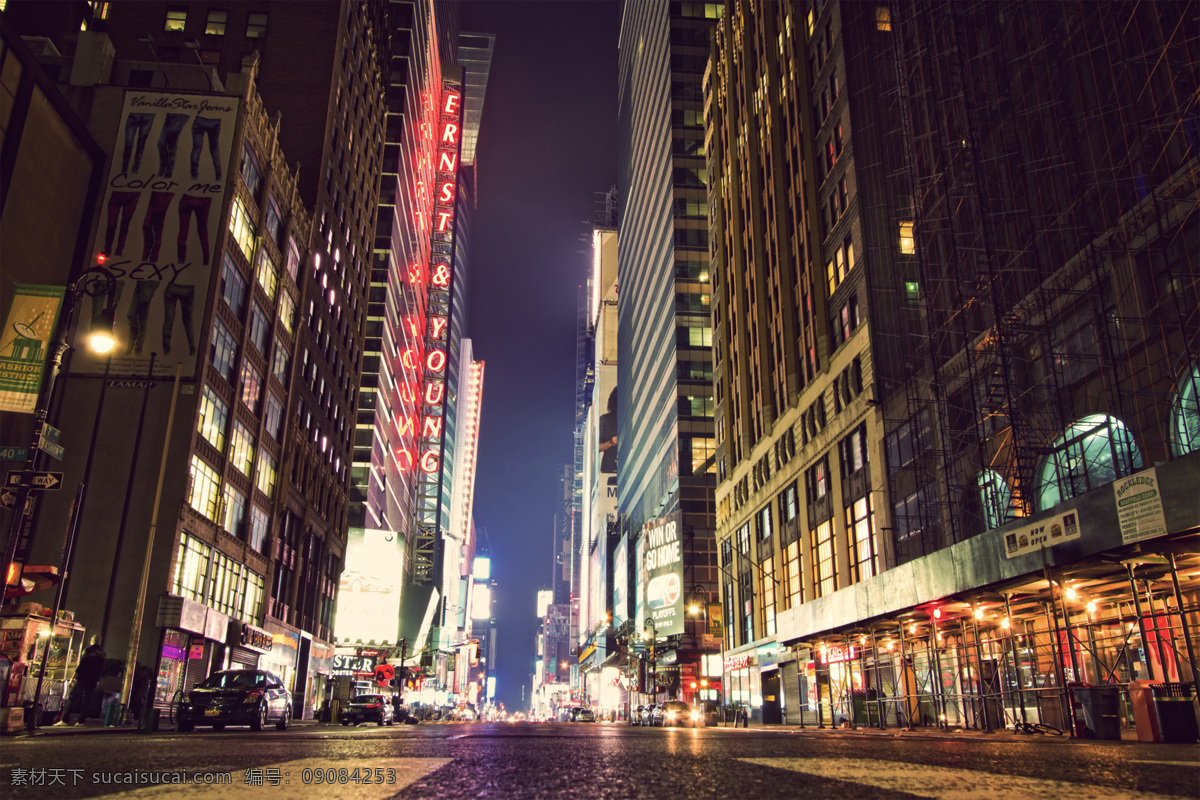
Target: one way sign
(46, 481)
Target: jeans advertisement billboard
(160, 218)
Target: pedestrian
(745, 717)
(87, 678)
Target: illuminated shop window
(1185, 413)
(176, 20)
(1090, 453)
(204, 488)
(213, 419)
(996, 498)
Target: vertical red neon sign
(441, 274)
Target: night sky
(547, 152)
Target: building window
(287, 312)
(816, 480)
(908, 441)
(824, 567)
(1092, 452)
(245, 233)
(224, 350)
(176, 20)
(273, 220)
(267, 473)
(293, 259)
(259, 526)
(215, 24)
(252, 386)
(860, 525)
(279, 362)
(241, 448)
(204, 488)
(793, 584)
(234, 512)
(267, 273)
(788, 503)
(233, 287)
(213, 419)
(852, 451)
(259, 326)
(767, 594)
(995, 495)
(883, 18)
(273, 416)
(251, 173)
(763, 522)
(698, 452)
(210, 577)
(256, 26)
(191, 570)
(1185, 413)
(908, 244)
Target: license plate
(211, 712)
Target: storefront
(247, 645)
(743, 682)
(192, 646)
(26, 641)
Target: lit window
(252, 386)
(860, 525)
(251, 174)
(273, 416)
(267, 273)
(1185, 413)
(824, 572)
(1090, 453)
(279, 362)
(241, 448)
(215, 25)
(908, 245)
(256, 26)
(244, 231)
(234, 512)
(883, 18)
(213, 419)
(223, 351)
(259, 525)
(204, 489)
(267, 474)
(995, 495)
(100, 9)
(176, 20)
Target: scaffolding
(1015, 654)
(1050, 159)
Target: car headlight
(670, 715)
(695, 715)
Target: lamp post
(93, 282)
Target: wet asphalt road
(589, 761)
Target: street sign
(50, 448)
(46, 481)
(14, 453)
(50, 432)
(8, 498)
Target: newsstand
(1100, 711)
(1176, 709)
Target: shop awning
(34, 578)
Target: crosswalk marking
(946, 783)
(294, 785)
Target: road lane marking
(946, 783)
(291, 773)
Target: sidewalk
(928, 732)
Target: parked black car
(251, 697)
(369, 708)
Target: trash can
(1101, 711)
(150, 719)
(1176, 711)
(114, 714)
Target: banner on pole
(25, 344)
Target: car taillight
(253, 697)
(374, 705)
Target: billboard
(620, 580)
(368, 605)
(160, 219)
(606, 444)
(662, 573)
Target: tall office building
(335, 51)
(665, 443)
(956, 323)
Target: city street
(580, 760)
